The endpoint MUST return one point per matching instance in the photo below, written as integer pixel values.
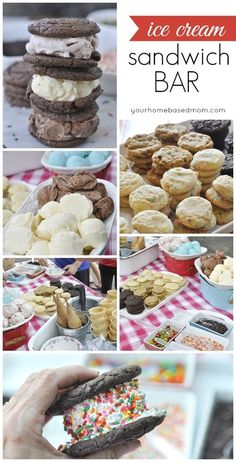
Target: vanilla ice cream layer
(78, 47)
(60, 89)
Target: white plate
(31, 205)
(69, 170)
(148, 311)
(6, 329)
(197, 264)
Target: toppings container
(197, 317)
(195, 333)
(177, 327)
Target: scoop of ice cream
(93, 231)
(49, 209)
(77, 47)
(16, 318)
(18, 240)
(39, 247)
(77, 161)
(78, 205)
(56, 223)
(57, 158)
(9, 310)
(66, 243)
(96, 157)
(23, 219)
(53, 89)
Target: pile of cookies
(104, 317)
(42, 299)
(180, 183)
(221, 197)
(15, 80)
(65, 82)
(14, 194)
(140, 149)
(207, 164)
(166, 158)
(148, 289)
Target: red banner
(184, 28)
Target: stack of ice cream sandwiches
(65, 81)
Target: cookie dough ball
(18, 240)
(94, 232)
(151, 221)
(148, 197)
(78, 205)
(39, 248)
(49, 209)
(58, 222)
(224, 186)
(6, 216)
(129, 181)
(124, 226)
(208, 159)
(194, 212)
(178, 180)
(66, 243)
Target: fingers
(117, 451)
(40, 390)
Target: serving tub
(133, 263)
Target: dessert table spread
(35, 177)
(36, 323)
(132, 333)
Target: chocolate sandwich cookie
(134, 304)
(98, 399)
(63, 42)
(63, 130)
(15, 80)
(93, 387)
(64, 90)
(56, 283)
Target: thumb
(117, 451)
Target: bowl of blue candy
(180, 254)
(70, 162)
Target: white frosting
(78, 47)
(53, 89)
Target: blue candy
(57, 158)
(76, 153)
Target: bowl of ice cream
(69, 162)
(54, 272)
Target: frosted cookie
(178, 180)
(223, 216)
(129, 181)
(195, 142)
(170, 133)
(224, 186)
(172, 156)
(217, 200)
(194, 212)
(124, 226)
(148, 197)
(176, 199)
(151, 221)
(208, 159)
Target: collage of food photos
(117, 253)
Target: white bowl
(69, 170)
(54, 273)
(62, 343)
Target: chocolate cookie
(56, 282)
(103, 208)
(63, 27)
(83, 180)
(59, 61)
(120, 435)
(63, 130)
(123, 295)
(15, 80)
(134, 304)
(216, 129)
(93, 196)
(16, 100)
(101, 188)
(93, 387)
(63, 107)
(93, 73)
